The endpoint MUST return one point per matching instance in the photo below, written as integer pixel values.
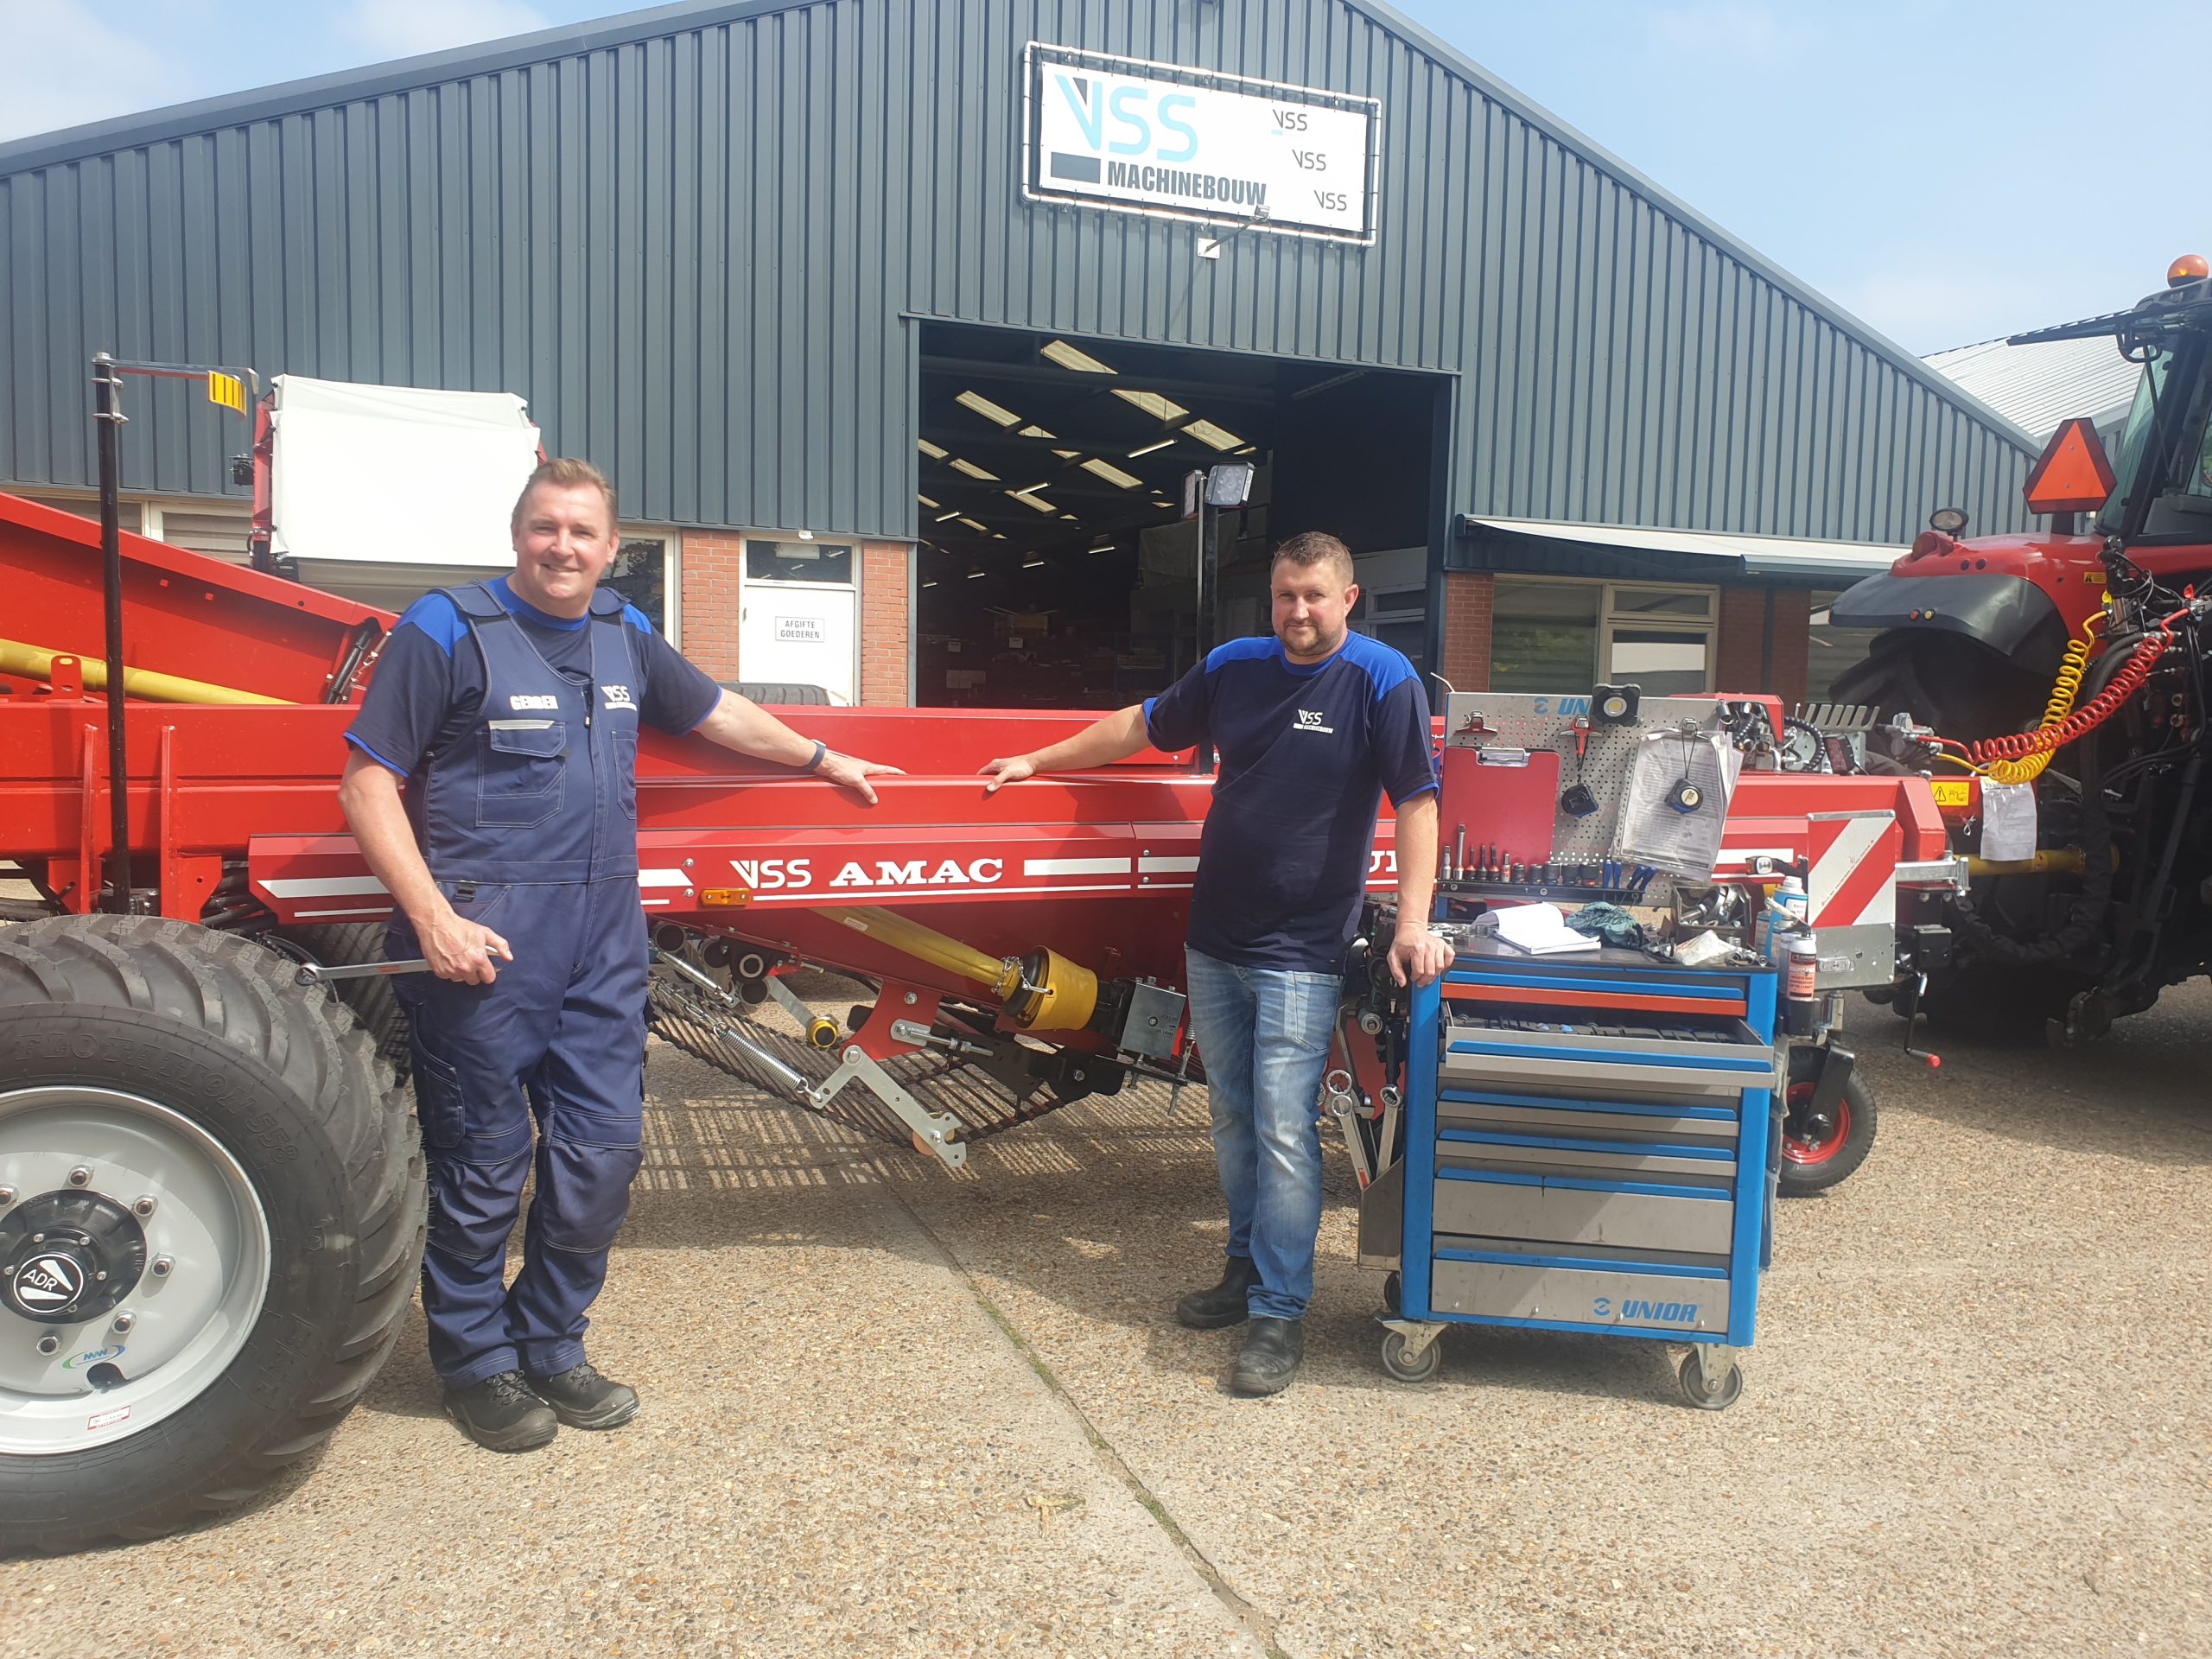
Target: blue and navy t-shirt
(428, 693)
(1306, 752)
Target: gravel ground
(894, 1412)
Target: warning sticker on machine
(1952, 791)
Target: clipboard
(1507, 798)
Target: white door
(791, 633)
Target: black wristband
(820, 749)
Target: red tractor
(2054, 685)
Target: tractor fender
(2012, 616)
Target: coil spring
(2071, 667)
(2049, 740)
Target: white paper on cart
(1540, 930)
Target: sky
(1949, 170)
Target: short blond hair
(565, 472)
(1316, 549)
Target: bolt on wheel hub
(68, 1256)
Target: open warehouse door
(1057, 566)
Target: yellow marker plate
(1952, 791)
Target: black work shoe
(1270, 1357)
(500, 1414)
(581, 1398)
(1211, 1310)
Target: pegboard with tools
(1533, 786)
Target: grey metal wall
(694, 239)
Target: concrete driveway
(892, 1412)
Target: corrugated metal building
(760, 260)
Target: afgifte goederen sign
(1153, 138)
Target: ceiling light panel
(989, 410)
(1029, 500)
(1159, 408)
(1146, 449)
(1037, 432)
(1067, 357)
(973, 470)
(926, 502)
(1207, 433)
(1111, 474)
(935, 452)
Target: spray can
(1788, 909)
(1800, 978)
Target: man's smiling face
(564, 542)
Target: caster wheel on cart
(1725, 1395)
(1417, 1369)
(1393, 1294)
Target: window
(1829, 650)
(827, 563)
(644, 575)
(1551, 636)
(1398, 617)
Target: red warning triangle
(2072, 474)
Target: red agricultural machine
(211, 1194)
(2056, 686)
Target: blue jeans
(1264, 1035)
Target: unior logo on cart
(1648, 1312)
(798, 875)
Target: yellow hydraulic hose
(1045, 993)
(2071, 667)
(36, 663)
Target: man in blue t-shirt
(491, 784)
(1313, 725)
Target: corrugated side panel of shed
(695, 252)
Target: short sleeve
(678, 694)
(1404, 758)
(1180, 717)
(412, 691)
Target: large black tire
(374, 1002)
(1958, 686)
(1814, 1162)
(787, 693)
(213, 1030)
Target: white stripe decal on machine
(323, 887)
(1160, 866)
(1075, 866)
(663, 879)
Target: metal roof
(701, 240)
(2038, 385)
(1750, 556)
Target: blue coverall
(531, 830)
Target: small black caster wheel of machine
(1393, 1294)
(1720, 1399)
(1418, 1369)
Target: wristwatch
(820, 749)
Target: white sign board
(1133, 136)
(800, 630)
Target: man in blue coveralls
(492, 786)
(1312, 724)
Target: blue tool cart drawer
(1587, 1147)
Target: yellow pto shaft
(1043, 992)
(36, 663)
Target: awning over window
(1719, 555)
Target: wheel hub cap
(66, 1258)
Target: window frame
(1611, 617)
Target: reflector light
(725, 897)
(2072, 474)
(2189, 268)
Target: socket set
(1489, 870)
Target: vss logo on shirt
(520, 701)
(618, 696)
(1309, 720)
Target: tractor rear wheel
(213, 1214)
(1959, 687)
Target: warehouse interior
(1056, 567)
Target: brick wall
(886, 645)
(1469, 597)
(1744, 655)
(712, 564)
(1742, 637)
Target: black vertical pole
(1209, 593)
(107, 416)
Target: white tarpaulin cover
(397, 474)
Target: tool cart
(1590, 1144)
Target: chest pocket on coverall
(522, 771)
